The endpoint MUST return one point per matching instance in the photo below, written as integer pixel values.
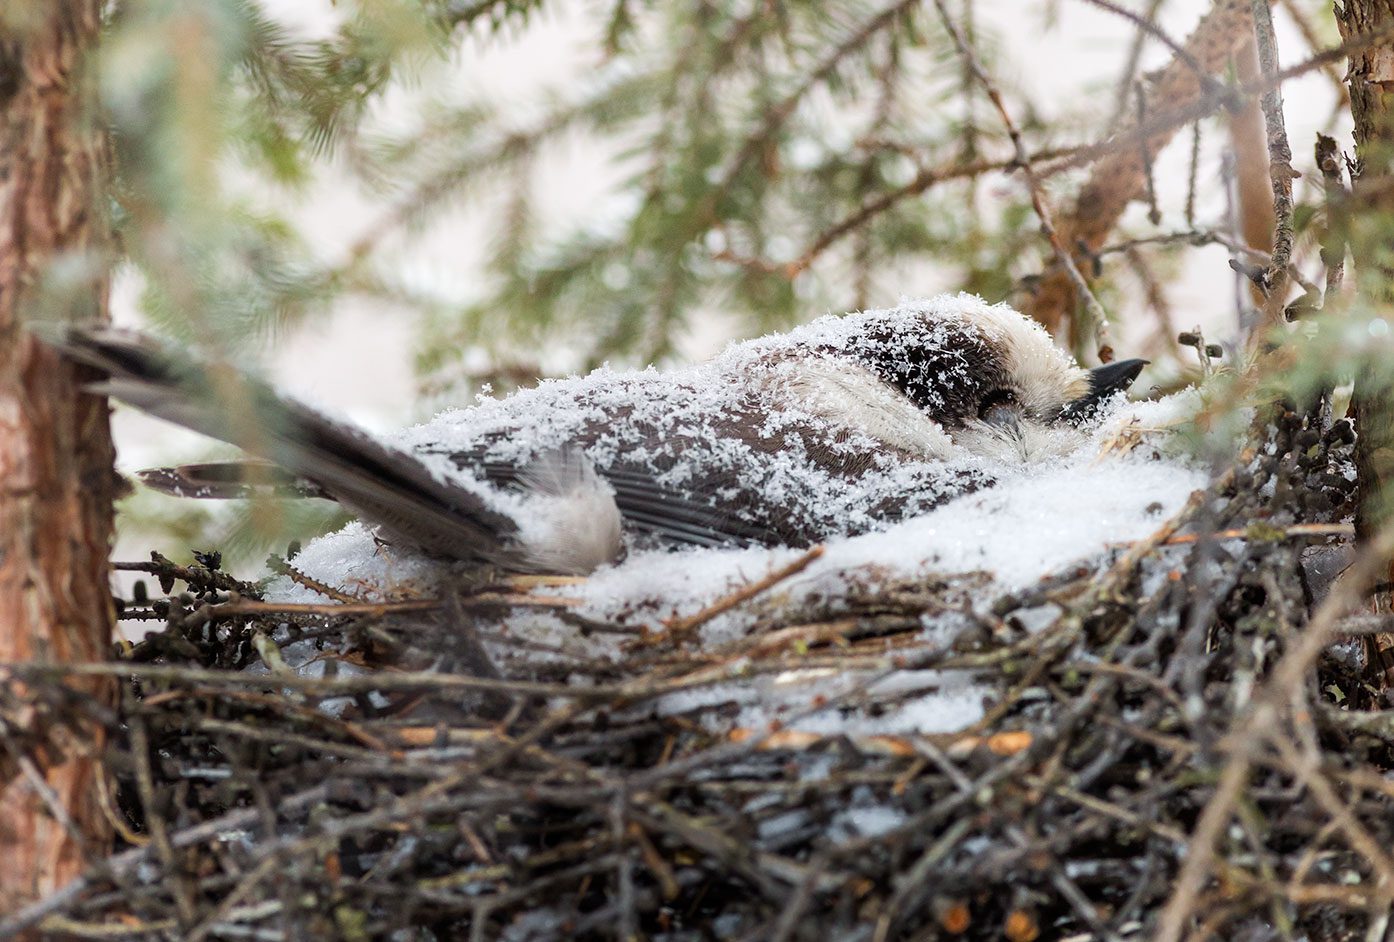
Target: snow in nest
(1034, 520)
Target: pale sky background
(359, 358)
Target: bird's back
(729, 449)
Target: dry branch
(1063, 256)
(1120, 177)
(1249, 144)
(1333, 241)
(1280, 170)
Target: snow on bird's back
(1034, 522)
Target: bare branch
(1063, 256)
(1279, 161)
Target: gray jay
(835, 428)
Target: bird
(844, 425)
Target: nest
(1144, 716)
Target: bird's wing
(229, 480)
(648, 506)
(645, 505)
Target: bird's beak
(1104, 381)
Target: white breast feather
(853, 396)
(1028, 441)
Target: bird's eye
(998, 397)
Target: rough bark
(1371, 82)
(1121, 177)
(55, 445)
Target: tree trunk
(1371, 80)
(55, 444)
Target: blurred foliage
(763, 162)
(740, 133)
(240, 530)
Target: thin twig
(1128, 79)
(1298, 531)
(1154, 215)
(1333, 242)
(1063, 256)
(1146, 23)
(1310, 36)
(282, 567)
(1279, 161)
(1191, 176)
(241, 608)
(197, 576)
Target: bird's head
(988, 375)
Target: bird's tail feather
(387, 487)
